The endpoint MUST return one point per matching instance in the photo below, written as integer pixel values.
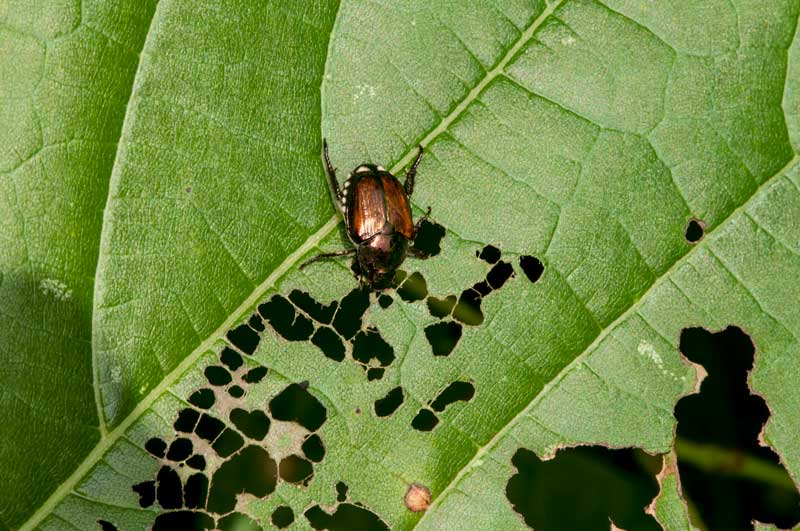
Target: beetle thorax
(383, 252)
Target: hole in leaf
(256, 323)
(235, 391)
(369, 346)
(230, 358)
(244, 338)
(468, 308)
(195, 521)
(583, 488)
(147, 493)
(156, 447)
(251, 471)
(532, 267)
(238, 522)
(425, 420)
(295, 469)
(198, 462)
(388, 404)
(341, 491)
(375, 373)
(695, 230)
(499, 274)
(313, 448)
(717, 440)
(254, 424)
(318, 312)
(385, 300)
(195, 491)
(456, 391)
(346, 517)
(296, 404)
(217, 375)
(329, 343)
(179, 450)
(282, 517)
(106, 526)
(443, 337)
(186, 421)
(351, 309)
(169, 490)
(202, 398)
(441, 307)
(285, 320)
(489, 254)
(255, 375)
(209, 428)
(414, 288)
(429, 238)
(228, 442)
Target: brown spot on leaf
(418, 498)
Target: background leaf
(587, 134)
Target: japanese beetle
(377, 216)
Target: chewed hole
(414, 288)
(585, 488)
(282, 517)
(489, 254)
(296, 404)
(341, 491)
(295, 469)
(455, 392)
(244, 338)
(443, 337)
(429, 238)
(717, 441)
(346, 517)
(347, 320)
(202, 398)
(106, 526)
(425, 420)
(695, 230)
(532, 267)
(388, 404)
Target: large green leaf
(584, 133)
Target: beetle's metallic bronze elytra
(377, 216)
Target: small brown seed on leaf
(418, 498)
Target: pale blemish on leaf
(56, 289)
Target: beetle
(377, 217)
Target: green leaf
(587, 134)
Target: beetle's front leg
(412, 172)
(331, 171)
(322, 256)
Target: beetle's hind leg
(323, 256)
(331, 171)
(412, 172)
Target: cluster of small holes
(221, 450)
(335, 328)
(208, 465)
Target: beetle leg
(322, 256)
(416, 253)
(420, 220)
(412, 172)
(331, 171)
